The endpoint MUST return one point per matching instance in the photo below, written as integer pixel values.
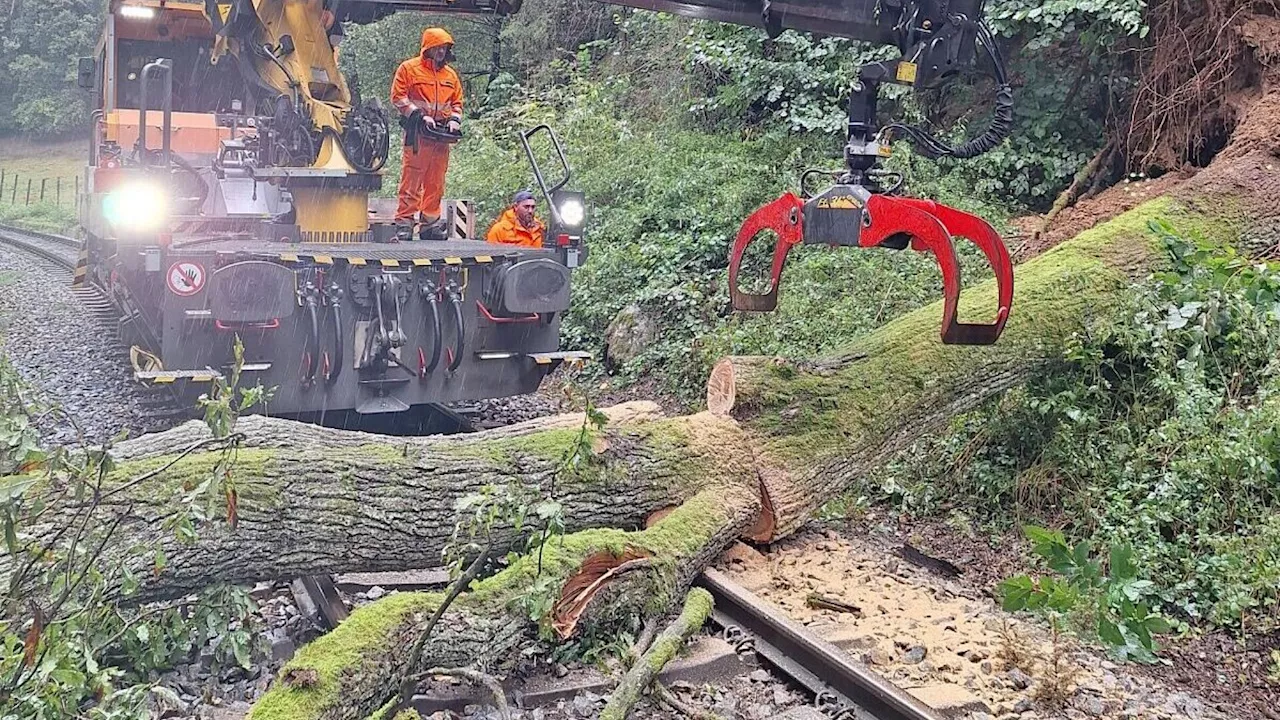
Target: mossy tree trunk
(312, 500)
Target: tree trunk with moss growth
(311, 500)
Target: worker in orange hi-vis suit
(518, 226)
(426, 90)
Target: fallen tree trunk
(813, 427)
(313, 500)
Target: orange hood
(431, 37)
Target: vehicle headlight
(572, 212)
(138, 206)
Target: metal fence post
(2, 174)
(28, 191)
(13, 200)
(58, 191)
(42, 182)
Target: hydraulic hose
(437, 335)
(313, 340)
(335, 312)
(459, 347)
(1001, 120)
(204, 186)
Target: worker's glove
(429, 121)
(454, 126)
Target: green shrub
(1158, 428)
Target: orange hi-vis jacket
(418, 84)
(507, 230)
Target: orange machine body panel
(193, 133)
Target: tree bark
(313, 500)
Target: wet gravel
(498, 412)
(759, 695)
(66, 356)
(208, 691)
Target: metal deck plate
(365, 253)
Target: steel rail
(23, 239)
(826, 670)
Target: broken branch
(697, 608)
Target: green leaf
(1041, 536)
(1157, 624)
(1144, 637)
(10, 534)
(1109, 633)
(12, 488)
(1122, 566)
(240, 646)
(1015, 593)
(548, 509)
(69, 677)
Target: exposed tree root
(697, 608)
(1196, 78)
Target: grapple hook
(931, 227)
(962, 224)
(785, 217)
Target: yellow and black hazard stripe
(81, 274)
(384, 262)
(462, 219)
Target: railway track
(57, 251)
(58, 255)
(840, 687)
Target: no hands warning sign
(185, 278)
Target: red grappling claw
(850, 214)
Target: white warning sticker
(185, 278)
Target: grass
(23, 159)
(42, 217)
(38, 159)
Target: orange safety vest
(507, 230)
(418, 84)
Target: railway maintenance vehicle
(229, 196)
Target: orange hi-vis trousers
(422, 181)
